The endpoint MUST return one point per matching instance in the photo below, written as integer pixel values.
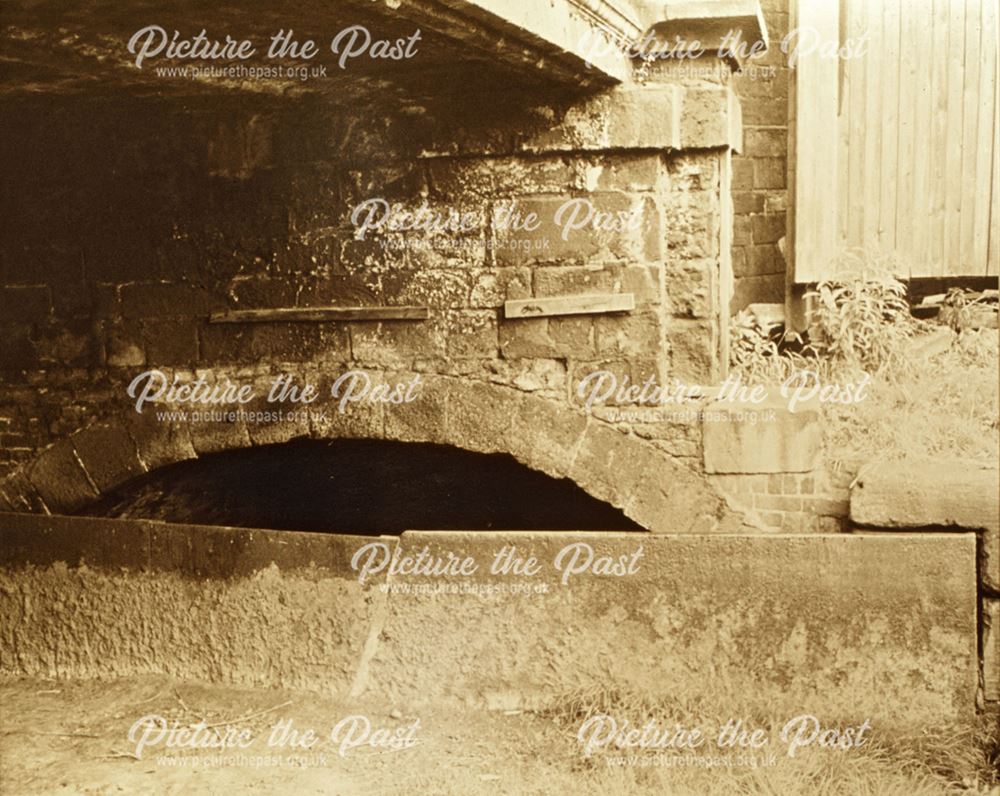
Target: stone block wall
(206, 207)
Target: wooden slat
(970, 196)
(845, 87)
(402, 313)
(939, 123)
(916, 140)
(921, 43)
(953, 142)
(569, 305)
(816, 140)
(986, 254)
(872, 123)
(854, 121)
(906, 165)
(889, 125)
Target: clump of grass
(915, 406)
(861, 318)
(945, 406)
(930, 759)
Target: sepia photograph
(517, 397)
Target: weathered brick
(769, 173)
(624, 172)
(766, 111)
(768, 229)
(124, 345)
(827, 507)
(763, 260)
(396, 344)
(766, 142)
(741, 231)
(777, 503)
(742, 177)
(492, 288)
(491, 177)
(17, 349)
(745, 202)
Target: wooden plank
(401, 313)
(988, 207)
(939, 140)
(993, 255)
(889, 122)
(816, 141)
(906, 219)
(971, 101)
(873, 124)
(569, 305)
(951, 261)
(856, 127)
(922, 45)
(844, 89)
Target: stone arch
(654, 489)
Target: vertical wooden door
(896, 144)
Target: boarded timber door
(896, 151)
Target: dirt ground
(73, 737)
(59, 737)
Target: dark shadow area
(360, 487)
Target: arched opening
(359, 486)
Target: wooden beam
(403, 313)
(569, 305)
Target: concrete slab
(818, 623)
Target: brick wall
(760, 170)
(817, 501)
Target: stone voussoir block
(108, 454)
(766, 437)
(481, 416)
(546, 434)
(60, 479)
(21, 494)
(159, 441)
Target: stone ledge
(695, 603)
(931, 493)
(199, 551)
(655, 116)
